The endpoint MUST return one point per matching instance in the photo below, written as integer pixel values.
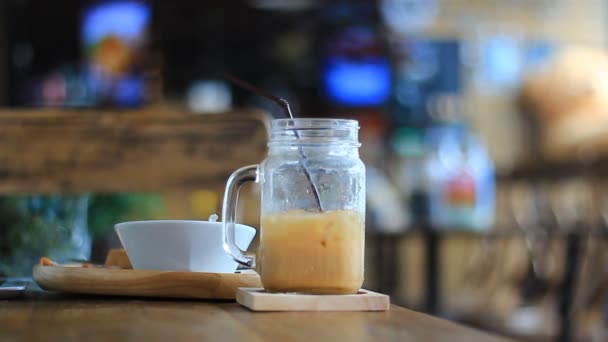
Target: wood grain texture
(140, 283)
(256, 299)
(53, 317)
(58, 150)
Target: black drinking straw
(285, 105)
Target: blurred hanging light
(209, 97)
(408, 16)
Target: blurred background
(484, 126)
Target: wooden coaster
(257, 300)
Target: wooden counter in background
(68, 151)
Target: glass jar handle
(231, 195)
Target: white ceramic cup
(180, 245)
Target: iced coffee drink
(312, 252)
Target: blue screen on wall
(357, 82)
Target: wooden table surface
(40, 316)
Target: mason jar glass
(313, 208)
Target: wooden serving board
(143, 283)
(257, 300)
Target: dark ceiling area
(194, 39)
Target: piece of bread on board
(118, 258)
